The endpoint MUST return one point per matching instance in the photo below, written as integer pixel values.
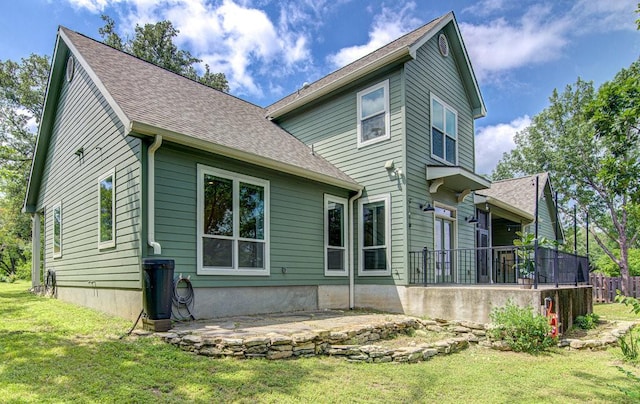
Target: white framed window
(373, 114)
(107, 210)
(57, 230)
(444, 240)
(375, 236)
(233, 223)
(444, 132)
(335, 236)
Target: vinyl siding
(431, 73)
(330, 126)
(296, 220)
(85, 120)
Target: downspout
(151, 189)
(352, 286)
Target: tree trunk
(624, 268)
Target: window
(233, 223)
(57, 230)
(374, 237)
(373, 114)
(444, 131)
(335, 236)
(444, 243)
(107, 210)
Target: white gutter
(151, 201)
(352, 287)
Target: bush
(587, 322)
(8, 278)
(521, 328)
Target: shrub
(521, 328)
(587, 322)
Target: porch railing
(496, 265)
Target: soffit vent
(443, 45)
(70, 68)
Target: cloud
(241, 41)
(492, 141)
(485, 7)
(94, 6)
(500, 45)
(387, 26)
(603, 16)
(539, 35)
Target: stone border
(356, 344)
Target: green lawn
(55, 352)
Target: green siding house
(329, 198)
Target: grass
(51, 351)
(614, 311)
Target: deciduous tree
(587, 141)
(154, 43)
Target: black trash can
(158, 287)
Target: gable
(402, 49)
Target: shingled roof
(151, 100)
(401, 49)
(518, 192)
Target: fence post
(424, 265)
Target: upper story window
(444, 132)
(107, 210)
(57, 231)
(233, 223)
(373, 114)
(335, 236)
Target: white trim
(96, 80)
(454, 232)
(327, 200)
(387, 115)
(109, 243)
(386, 198)
(151, 195)
(446, 107)
(53, 230)
(170, 136)
(236, 179)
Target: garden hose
(50, 283)
(185, 300)
(133, 326)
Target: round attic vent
(70, 68)
(443, 45)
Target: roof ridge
(520, 178)
(159, 67)
(345, 67)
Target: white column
(35, 246)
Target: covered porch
(502, 265)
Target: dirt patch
(603, 328)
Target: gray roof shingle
(518, 192)
(150, 95)
(404, 41)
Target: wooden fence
(604, 287)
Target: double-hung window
(373, 114)
(233, 223)
(335, 236)
(57, 230)
(375, 235)
(107, 210)
(444, 131)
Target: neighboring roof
(518, 192)
(402, 48)
(150, 100)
